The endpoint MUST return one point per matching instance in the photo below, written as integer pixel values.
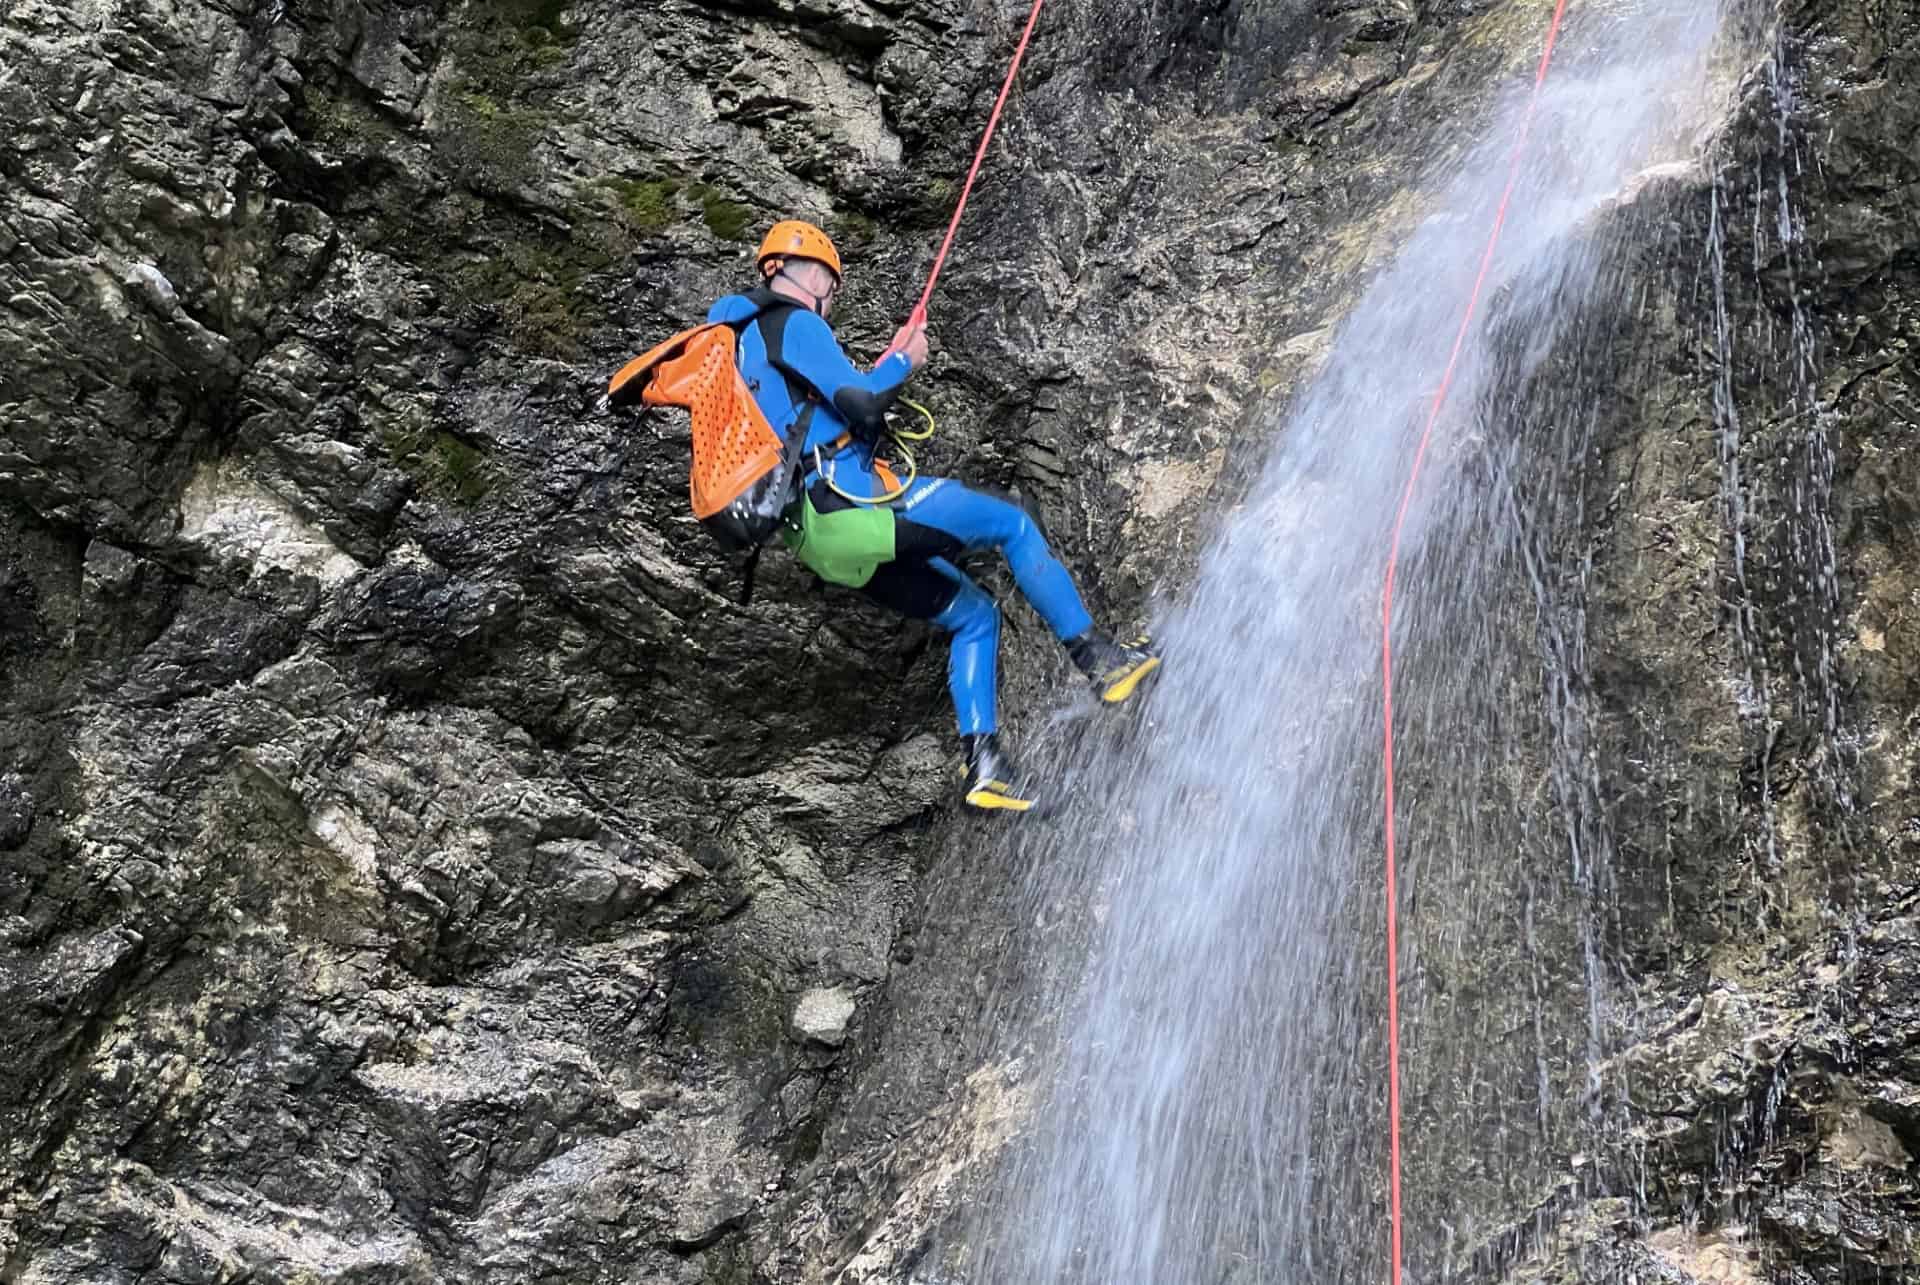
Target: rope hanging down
(1386, 638)
(919, 314)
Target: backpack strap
(792, 460)
(771, 310)
(747, 570)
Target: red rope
(1386, 640)
(980, 154)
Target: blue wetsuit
(936, 520)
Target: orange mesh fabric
(733, 445)
(629, 382)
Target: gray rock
(822, 1016)
(16, 811)
(110, 570)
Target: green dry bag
(843, 547)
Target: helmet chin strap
(819, 300)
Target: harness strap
(827, 451)
(791, 459)
(771, 310)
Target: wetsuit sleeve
(809, 352)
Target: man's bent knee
(971, 614)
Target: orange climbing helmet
(793, 239)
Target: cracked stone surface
(413, 856)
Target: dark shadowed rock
(16, 812)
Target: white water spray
(1213, 1107)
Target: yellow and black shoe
(1115, 669)
(992, 783)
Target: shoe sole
(988, 801)
(1125, 687)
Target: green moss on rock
(346, 124)
(725, 219)
(651, 206)
(648, 205)
(492, 259)
(444, 465)
(538, 287)
(488, 141)
(537, 17)
(852, 228)
(493, 109)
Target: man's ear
(771, 268)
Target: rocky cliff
(416, 864)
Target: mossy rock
(348, 125)
(494, 107)
(539, 289)
(726, 219)
(488, 142)
(486, 253)
(444, 465)
(487, 257)
(647, 204)
(852, 228)
(651, 206)
(536, 18)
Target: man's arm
(809, 352)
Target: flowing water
(1212, 1105)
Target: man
(804, 381)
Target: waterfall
(1206, 1033)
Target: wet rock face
(414, 862)
(1749, 733)
(1798, 905)
(1731, 740)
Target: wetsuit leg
(931, 588)
(973, 657)
(979, 521)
